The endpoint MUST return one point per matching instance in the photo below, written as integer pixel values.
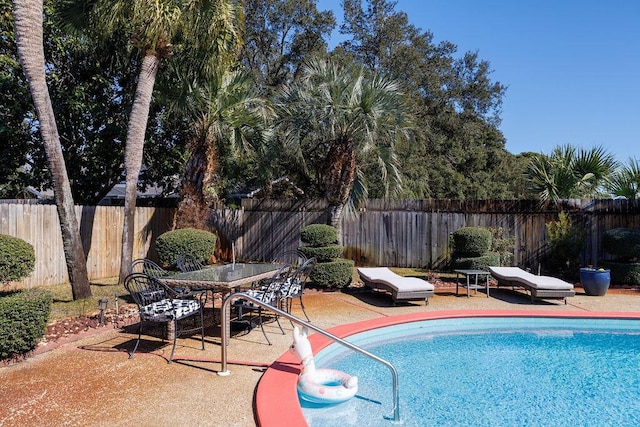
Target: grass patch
(64, 306)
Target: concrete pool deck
(91, 381)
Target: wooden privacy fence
(416, 233)
(400, 233)
(101, 231)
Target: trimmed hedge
(330, 271)
(319, 235)
(623, 243)
(324, 253)
(471, 241)
(200, 244)
(477, 263)
(335, 274)
(23, 321)
(624, 272)
(17, 259)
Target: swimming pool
(489, 358)
(493, 371)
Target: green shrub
(319, 235)
(477, 263)
(471, 241)
(623, 272)
(503, 244)
(623, 243)
(566, 242)
(200, 244)
(335, 274)
(17, 259)
(23, 321)
(323, 253)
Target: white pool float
(325, 386)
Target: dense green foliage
(566, 241)
(23, 321)
(17, 259)
(571, 173)
(90, 101)
(624, 272)
(455, 148)
(625, 181)
(317, 235)
(334, 274)
(622, 243)
(472, 249)
(481, 262)
(450, 96)
(198, 243)
(330, 270)
(353, 121)
(503, 244)
(279, 35)
(471, 241)
(323, 253)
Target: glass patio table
(226, 278)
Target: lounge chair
(540, 287)
(401, 288)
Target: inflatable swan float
(320, 385)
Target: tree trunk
(29, 40)
(198, 183)
(339, 175)
(133, 155)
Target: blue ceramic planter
(594, 281)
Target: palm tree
(336, 119)
(28, 17)
(228, 112)
(571, 173)
(202, 34)
(625, 182)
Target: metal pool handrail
(225, 334)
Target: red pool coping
(277, 401)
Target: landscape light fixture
(102, 305)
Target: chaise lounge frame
(401, 288)
(538, 287)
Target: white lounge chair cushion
(393, 280)
(517, 274)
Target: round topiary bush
(471, 241)
(322, 253)
(17, 259)
(200, 244)
(477, 263)
(319, 235)
(23, 321)
(622, 243)
(335, 274)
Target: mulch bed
(63, 328)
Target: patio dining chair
(294, 257)
(158, 303)
(269, 293)
(148, 267)
(294, 288)
(186, 262)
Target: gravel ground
(88, 379)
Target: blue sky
(571, 67)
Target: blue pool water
(492, 372)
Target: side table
(476, 283)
